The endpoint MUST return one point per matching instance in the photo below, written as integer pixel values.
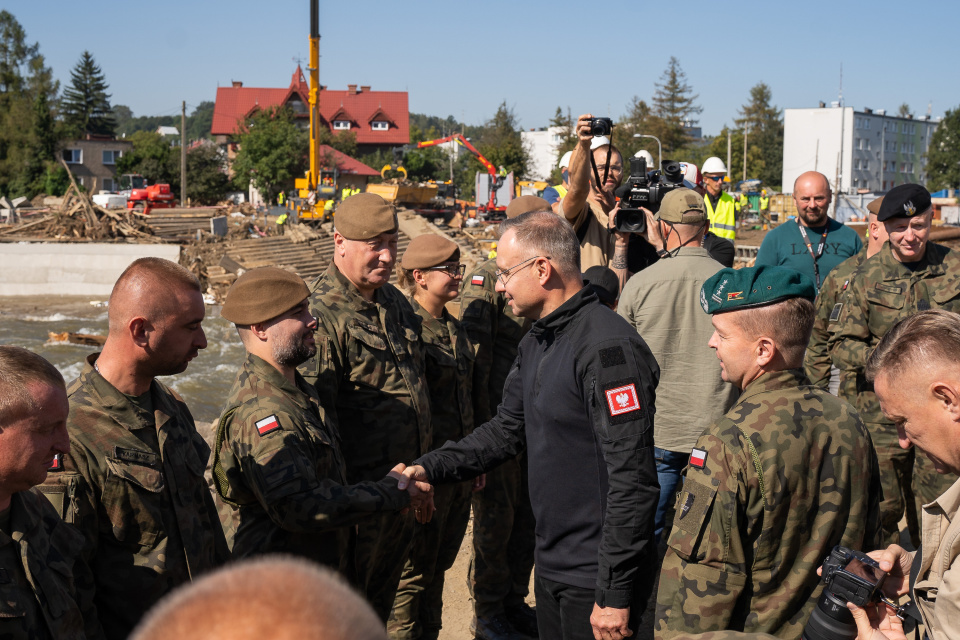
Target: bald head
(812, 195)
(148, 288)
(276, 597)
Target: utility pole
(744, 153)
(838, 189)
(183, 153)
(729, 149)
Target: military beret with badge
(904, 201)
(733, 289)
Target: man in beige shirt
(916, 374)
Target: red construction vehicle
(142, 197)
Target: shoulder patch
(267, 425)
(611, 357)
(57, 464)
(623, 399)
(835, 314)
(698, 458)
(477, 280)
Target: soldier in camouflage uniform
(278, 470)
(909, 274)
(369, 374)
(46, 588)
(133, 482)
(780, 480)
(430, 272)
(817, 363)
(503, 524)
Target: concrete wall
(30, 269)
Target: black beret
(904, 201)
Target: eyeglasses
(716, 178)
(504, 274)
(452, 270)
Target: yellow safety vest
(561, 190)
(722, 221)
(764, 203)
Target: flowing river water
(28, 321)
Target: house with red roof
(379, 119)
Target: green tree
(86, 103)
(674, 103)
(501, 144)
(200, 121)
(943, 154)
(903, 110)
(764, 127)
(207, 182)
(153, 158)
(273, 151)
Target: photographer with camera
(914, 370)
(590, 203)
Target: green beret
(682, 206)
(364, 216)
(262, 294)
(732, 289)
(429, 250)
(526, 204)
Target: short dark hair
(787, 322)
(19, 368)
(546, 233)
(928, 337)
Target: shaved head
(276, 597)
(812, 195)
(149, 288)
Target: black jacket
(580, 397)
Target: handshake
(414, 480)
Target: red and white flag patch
(267, 425)
(477, 280)
(698, 458)
(57, 464)
(623, 399)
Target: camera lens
(830, 620)
(631, 221)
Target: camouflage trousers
(377, 555)
(503, 540)
(909, 480)
(418, 606)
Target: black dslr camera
(601, 126)
(647, 191)
(848, 576)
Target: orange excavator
(142, 197)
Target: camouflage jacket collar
(774, 381)
(564, 315)
(442, 326)
(117, 405)
(25, 519)
(348, 289)
(301, 393)
(930, 265)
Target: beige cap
(364, 216)
(429, 250)
(682, 206)
(526, 204)
(261, 294)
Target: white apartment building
(542, 146)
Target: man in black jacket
(580, 398)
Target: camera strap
(606, 170)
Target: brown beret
(364, 216)
(874, 205)
(526, 204)
(429, 250)
(261, 294)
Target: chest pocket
(948, 297)
(369, 354)
(888, 299)
(693, 507)
(11, 603)
(132, 498)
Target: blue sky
(464, 58)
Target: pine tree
(675, 104)
(764, 128)
(86, 103)
(501, 144)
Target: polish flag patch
(267, 425)
(477, 280)
(57, 464)
(698, 458)
(623, 400)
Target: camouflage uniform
(503, 524)
(46, 589)
(886, 292)
(133, 485)
(369, 373)
(280, 475)
(788, 473)
(418, 608)
(817, 363)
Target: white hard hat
(565, 160)
(714, 165)
(599, 141)
(643, 153)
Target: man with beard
(278, 469)
(133, 480)
(814, 243)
